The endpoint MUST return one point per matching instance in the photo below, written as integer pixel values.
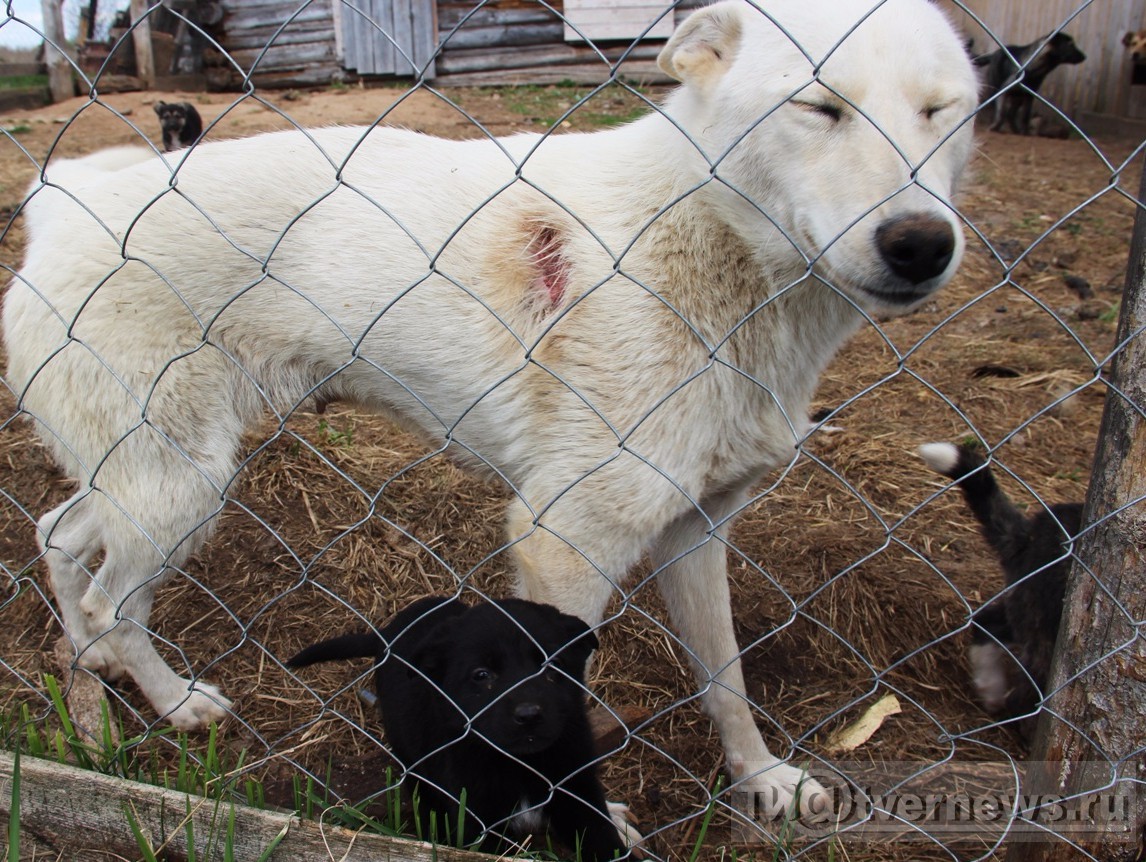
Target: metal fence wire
(271, 389)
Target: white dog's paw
(198, 709)
(777, 788)
(100, 659)
(623, 820)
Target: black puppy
(489, 700)
(1021, 624)
(180, 122)
(1017, 71)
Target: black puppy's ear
(417, 634)
(159, 106)
(574, 644)
(430, 658)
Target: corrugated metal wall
(1101, 84)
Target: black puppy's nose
(916, 247)
(527, 713)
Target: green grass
(14, 812)
(208, 771)
(23, 82)
(1111, 314)
(336, 436)
(582, 107)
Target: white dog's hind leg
(69, 537)
(159, 508)
(120, 603)
(106, 612)
(693, 579)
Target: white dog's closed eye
(821, 109)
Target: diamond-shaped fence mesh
(475, 301)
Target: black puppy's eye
(481, 674)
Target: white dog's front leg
(693, 578)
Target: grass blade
(14, 810)
(270, 848)
(141, 841)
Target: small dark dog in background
(1016, 73)
(180, 122)
(490, 700)
(1022, 623)
(1135, 42)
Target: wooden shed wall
(511, 41)
(524, 42)
(1100, 85)
(283, 42)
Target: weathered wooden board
(617, 19)
(82, 816)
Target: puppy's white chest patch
(528, 817)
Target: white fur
(158, 316)
(988, 676)
(940, 457)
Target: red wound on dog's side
(546, 253)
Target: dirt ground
(851, 578)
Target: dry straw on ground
(848, 576)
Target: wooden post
(141, 37)
(1092, 738)
(60, 80)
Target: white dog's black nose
(916, 247)
(527, 713)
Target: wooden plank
(381, 35)
(349, 56)
(81, 815)
(644, 72)
(241, 16)
(402, 12)
(543, 55)
(258, 39)
(425, 35)
(370, 44)
(336, 15)
(503, 37)
(450, 15)
(60, 81)
(293, 56)
(616, 19)
(310, 76)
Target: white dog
(626, 325)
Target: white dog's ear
(703, 47)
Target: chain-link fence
(610, 305)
